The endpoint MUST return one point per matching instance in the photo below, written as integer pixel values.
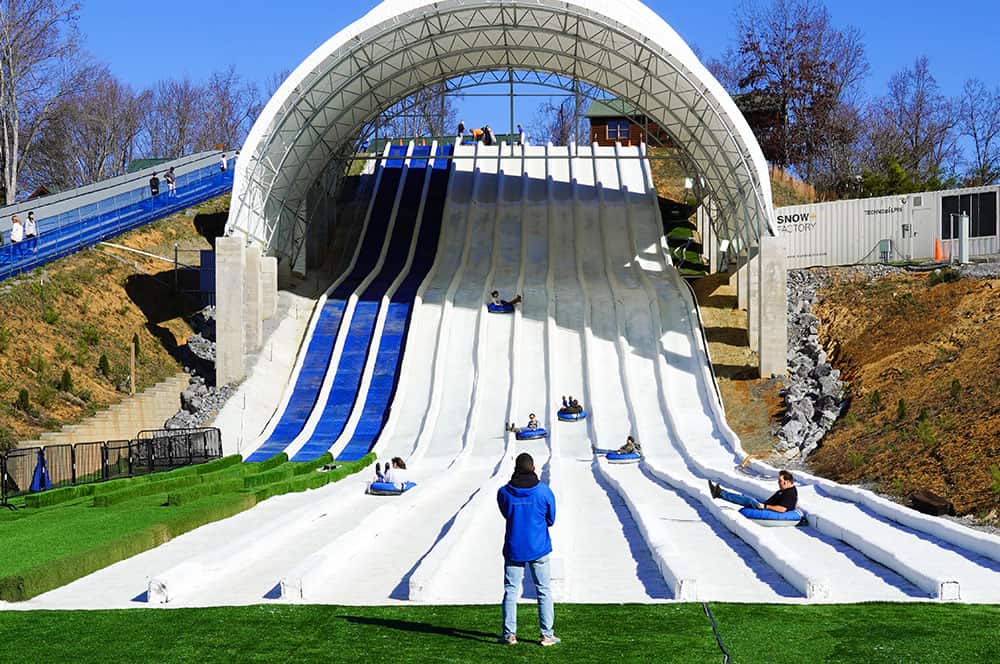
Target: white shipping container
(873, 230)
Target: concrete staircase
(146, 410)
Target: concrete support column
(773, 308)
(753, 297)
(253, 304)
(710, 247)
(743, 280)
(230, 274)
(269, 286)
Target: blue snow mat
(320, 348)
(350, 370)
(389, 360)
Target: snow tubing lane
(571, 417)
(771, 518)
(617, 457)
(388, 488)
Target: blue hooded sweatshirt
(530, 509)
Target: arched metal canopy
(401, 46)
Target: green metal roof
(612, 108)
(139, 164)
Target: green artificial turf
(869, 633)
(283, 633)
(864, 633)
(45, 547)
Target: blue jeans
(739, 499)
(513, 575)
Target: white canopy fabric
(402, 46)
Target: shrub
(50, 316)
(5, 337)
(104, 366)
(925, 433)
(90, 334)
(995, 474)
(901, 410)
(943, 276)
(66, 381)
(923, 414)
(856, 459)
(37, 364)
(7, 440)
(23, 400)
(955, 391)
(875, 401)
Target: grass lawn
(47, 547)
(869, 633)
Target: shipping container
(890, 228)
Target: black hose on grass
(715, 630)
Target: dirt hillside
(57, 322)
(923, 364)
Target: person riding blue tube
(785, 499)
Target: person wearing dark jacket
(785, 499)
(529, 508)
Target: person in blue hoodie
(529, 507)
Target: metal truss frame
(339, 92)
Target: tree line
(66, 120)
(910, 138)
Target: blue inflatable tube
(388, 488)
(500, 308)
(571, 417)
(616, 457)
(772, 518)
(531, 434)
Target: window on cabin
(618, 130)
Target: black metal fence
(33, 469)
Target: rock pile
(814, 395)
(202, 399)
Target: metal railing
(71, 230)
(33, 469)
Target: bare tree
(915, 126)
(173, 125)
(230, 107)
(429, 112)
(91, 134)
(557, 122)
(38, 47)
(789, 49)
(980, 122)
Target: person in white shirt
(31, 232)
(222, 163)
(396, 473)
(16, 236)
(171, 179)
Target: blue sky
(144, 42)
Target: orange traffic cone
(938, 254)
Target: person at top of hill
(497, 301)
(785, 499)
